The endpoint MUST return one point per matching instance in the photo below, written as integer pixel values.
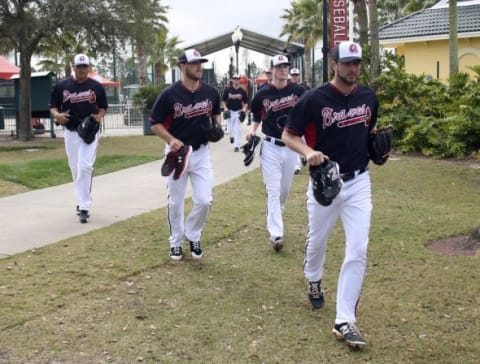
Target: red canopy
(102, 80)
(261, 79)
(7, 69)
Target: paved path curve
(41, 217)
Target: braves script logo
(356, 115)
(192, 110)
(234, 96)
(280, 104)
(76, 97)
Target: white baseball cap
(236, 76)
(347, 51)
(278, 60)
(191, 56)
(81, 59)
(294, 71)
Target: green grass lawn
(113, 295)
(43, 163)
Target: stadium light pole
(237, 37)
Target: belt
(351, 175)
(274, 141)
(197, 146)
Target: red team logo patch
(353, 48)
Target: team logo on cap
(196, 53)
(281, 58)
(353, 48)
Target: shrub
(430, 117)
(146, 95)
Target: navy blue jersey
(337, 125)
(234, 98)
(271, 105)
(80, 99)
(186, 114)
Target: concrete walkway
(37, 218)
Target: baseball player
(336, 120)
(268, 73)
(71, 100)
(270, 107)
(235, 100)
(180, 116)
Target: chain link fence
(120, 119)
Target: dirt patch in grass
(461, 245)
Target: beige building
(422, 38)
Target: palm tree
(374, 42)
(304, 25)
(453, 44)
(360, 9)
(165, 53)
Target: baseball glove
(176, 161)
(215, 132)
(87, 129)
(226, 114)
(249, 149)
(380, 145)
(242, 116)
(326, 182)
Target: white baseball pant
(354, 206)
(81, 160)
(199, 170)
(234, 128)
(278, 168)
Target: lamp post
(237, 37)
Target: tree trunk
(453, 44)
(159, 74)
(308, 65)
(360, 8)
(374, 42)
(142, 63)
(24, 112)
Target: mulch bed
(462, 245)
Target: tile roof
(432, 22)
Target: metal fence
(120, 119)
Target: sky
(195, 21)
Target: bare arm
(296, 143)
(60, 117)
(159, 130)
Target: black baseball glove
(226, 114)
(249, 149)
(215, 132)
(326, 182)
(242, 116)
(380, 145)
(87, 129)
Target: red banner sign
(338, 22)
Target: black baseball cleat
(231, 140)
(168, 165)
(236, 149)
(176, 253)
(348, 332)
(181, 161)
(315, 295)
(277, 243)
(84, 216)
(196, 249)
